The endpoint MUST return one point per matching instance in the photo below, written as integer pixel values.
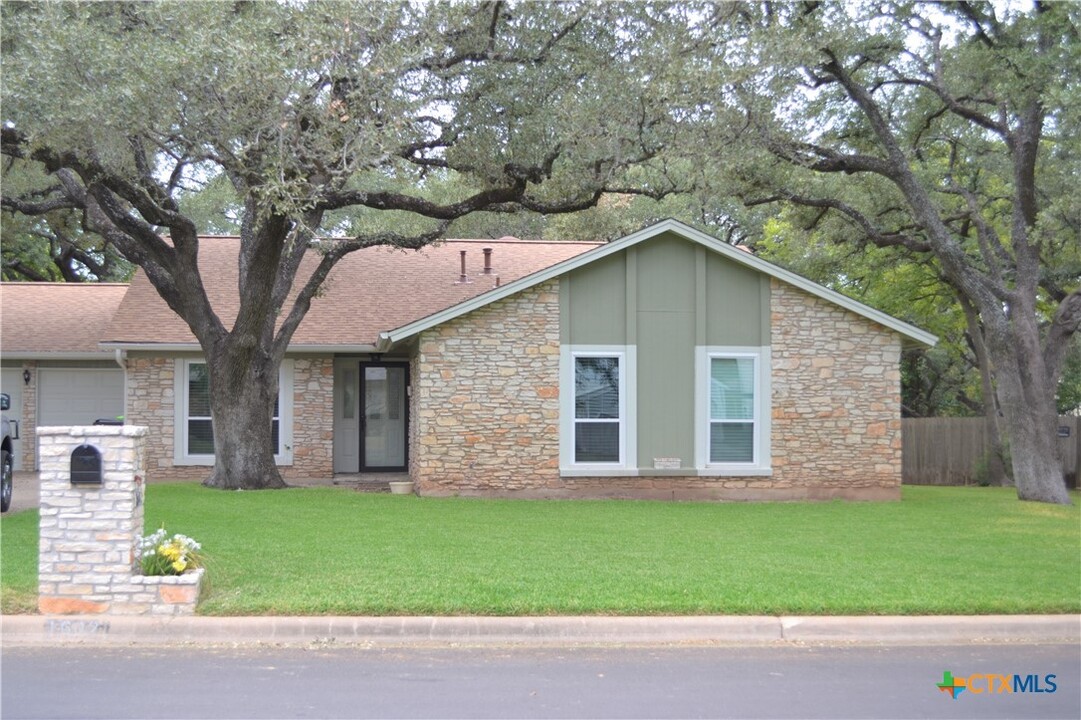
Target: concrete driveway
(24, 491)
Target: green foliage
(940, 381)
(213, 205)
(1068, 398)
(19, 562)
(510, 557)
(288, 101)
(449, 556)
(982, 472)
(945, 137)
(502, 557)
(53, 246)
(160, 554)
(364, 123)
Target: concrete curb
(38, 630)
(940, 629)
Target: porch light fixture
(26, 377)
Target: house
(51, 362)
(665, 364)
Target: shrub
(163, 555)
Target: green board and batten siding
(665, 296)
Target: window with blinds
(598, 413)
(732, 410)
(200, 425)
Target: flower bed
(160, 554)
(171, 594)
(172, 573)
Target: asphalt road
(675, 682)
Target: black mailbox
(86, 466)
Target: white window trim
(628, 408)
(761, 465)
(180, 414)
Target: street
(506, 682)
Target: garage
(79, 396)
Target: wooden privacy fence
(953, 451)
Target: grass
(333, 551)
(19, 562)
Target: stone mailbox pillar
(87, 559)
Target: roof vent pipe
(487, 261)
(463, 278)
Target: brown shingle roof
(368, 291)
(54, 318)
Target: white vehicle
(10, 432)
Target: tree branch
(331, 256)
(385, 200)
(18, 205)
(872, 233)
(1066, 323)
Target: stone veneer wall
(29, 419)
(486, 408)
(485, 404)
(313, 418)
(836, 400)
(151, 402)
(87, 560)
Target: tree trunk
(1028, 406)
(1037, 467)
(996, 455)
(242, 399)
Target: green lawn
(334, 551)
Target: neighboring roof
(910, 333)
(367, 292)
(60, 321)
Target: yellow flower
(179, 565)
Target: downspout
(121, 358)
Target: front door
(384, 419)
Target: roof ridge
(502, 240)
(54, 283)
(520, 241)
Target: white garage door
(79, 397)
(11, 382)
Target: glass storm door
(384, 419)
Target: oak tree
(318, 115)
(940, 129)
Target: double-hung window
(732, 414)
(733, 393)
(597, 410)
(198, 423)
(195, 425)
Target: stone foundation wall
(87, 557)
(836, 398)
(680, 488)
(486, 399)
